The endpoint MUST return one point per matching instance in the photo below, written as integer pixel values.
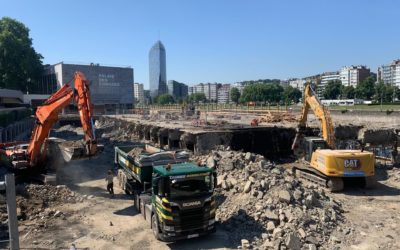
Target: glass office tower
(157, 70)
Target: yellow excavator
(321, 162)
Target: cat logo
(191, 204)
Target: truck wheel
(154, 227)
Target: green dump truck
(174, 196)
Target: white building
(390, 73)
(239, 85)
(325, 78)
(138, 93)
(210, 90)
(353, 75)
(298, 84)
(224, 95)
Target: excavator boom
(323, 115)
(47, 116)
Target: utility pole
(9, 186)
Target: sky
(214, 40)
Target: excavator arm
(323, 115)
(47, 116)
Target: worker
(110, 184)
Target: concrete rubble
(35, 208)
(263, 204)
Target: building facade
(353, 75)
(224, 94)
(157, 70)
(298, 84)
(110, 87)
(177, 89)
(325, 79)
(138, 93)
(211, 91)
(390, 73)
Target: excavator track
(333, 184)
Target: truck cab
(173, 195)
(182, 204)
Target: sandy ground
(102, 222)
(374, 215)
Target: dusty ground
(102, 222)
(373, 215)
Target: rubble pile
(35, 206)
(265, 206)
(274, 117)
(394, 174)
(35, 200)
(115, 130)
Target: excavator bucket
(77, 150)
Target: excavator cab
(311, 144)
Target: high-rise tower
(157, 70)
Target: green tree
(366, 88)
(197, 97)
(348, 92)
(385, 92)
(292, 94)
(262, 92)
(164, 99)
(20, 65)
(235, 95)
(333, 90)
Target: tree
(332, 90)
(164, 99)
(385, 92)
(197, 97)
(235, 95)
(292, 94)
(262, 92)
(20, 65)
(348, 92)
(366, 88)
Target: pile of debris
(264, 205)
(36, 207)
(273, 117)
(34, 201)
(115, 130)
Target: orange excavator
(32, 155)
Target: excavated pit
(271, 141)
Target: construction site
(256, 195)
